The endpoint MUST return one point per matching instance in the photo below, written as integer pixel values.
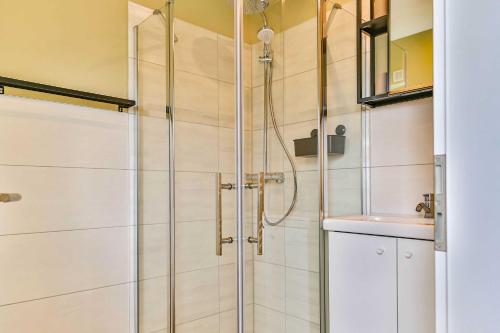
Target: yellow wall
(419, 65)
(82, 44)
(75, 44)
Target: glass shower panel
(205, 168)
(344, 172)
(153, 215)
(284, 109)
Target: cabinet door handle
(408, 255)
(380, 251)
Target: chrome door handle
(10, 197)
(218, 218)
(260, 216)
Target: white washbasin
(395, 226)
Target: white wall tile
(301, 98)
(258, 105)
(307, 194)
(341, 42)
(153, 196)
(344, 192)
(302, 294)
(103, 310)
(402, 134)
(197, 294)
(269, 286)
(302, 247)
(196, 147)
(206, 325)
(153, 142)
(227, 286)
(152, 89)
(195, 196)
(49, 264)
(57, 134)
(300, 47)
(196, 98)
(151, 46)
(398, 190)
(196, 49)
(342, 87)
(63, 199)
(295, 325)
(195, 246)
(153, 304)
(226, 61)
(268, 320)
(227, 151)
(154, 248)
(227, 114)
(228, 321)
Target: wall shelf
(376, 27)
(387, 99)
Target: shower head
(253, 6)
(265, 35)
(336, 7)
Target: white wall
(473, 141)
(65, 245)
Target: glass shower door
(153, 126)
(280, 228)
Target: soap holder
(309, 146)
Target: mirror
(410, 45)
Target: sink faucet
(427, 206)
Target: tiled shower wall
(204, 104)
(286, 277)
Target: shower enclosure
(229, 236)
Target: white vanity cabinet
(380, 284)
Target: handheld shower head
(265, 35)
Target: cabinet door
(363, 284)
(416, 310)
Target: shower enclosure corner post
(322, 158)
(170, 114)
(134, 322)
(238, 53)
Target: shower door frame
(239, 150)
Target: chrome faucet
(427, 206)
